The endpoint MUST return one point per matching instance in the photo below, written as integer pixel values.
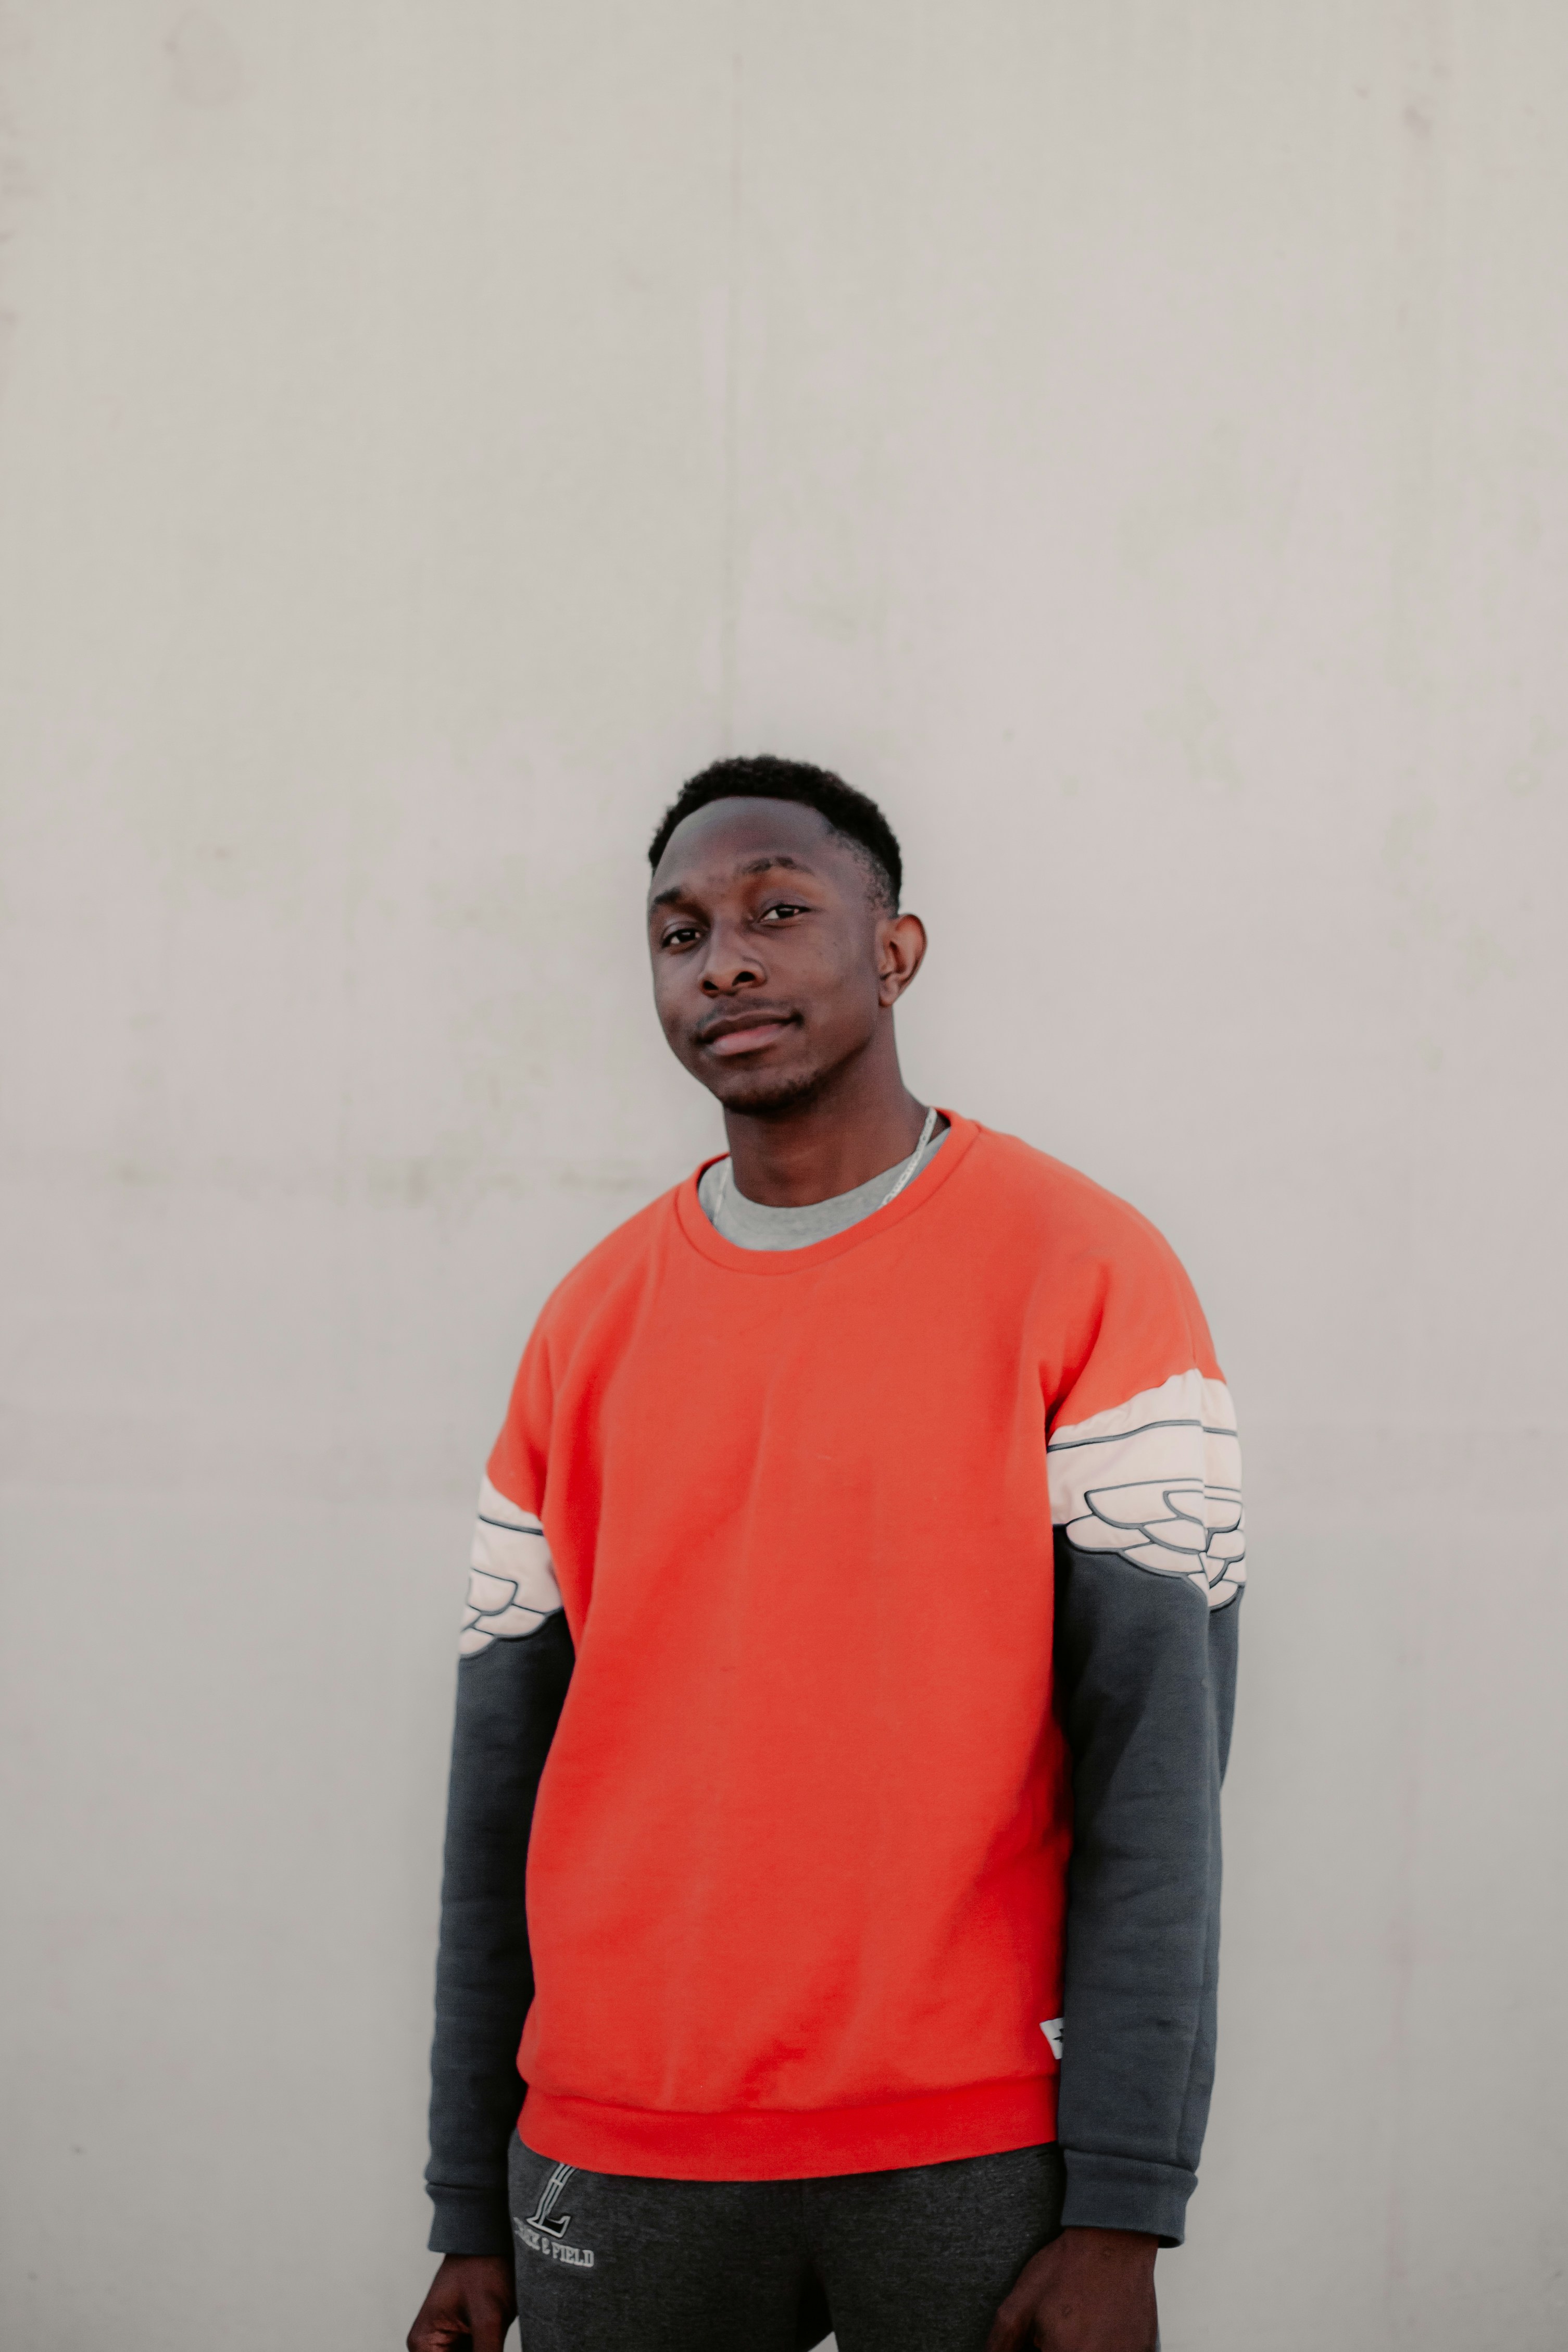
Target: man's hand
(473, 2300)
(1088, 2291)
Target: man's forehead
(731, 840)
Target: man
(848, 1657)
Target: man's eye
(787, 909)
(680, 935)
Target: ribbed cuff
(470, 2221)
(1123, 2192)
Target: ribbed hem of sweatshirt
(471, 2221)
(1122, 2192)
(790, 2144)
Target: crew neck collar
(704, 1238)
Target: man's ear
(901, 952)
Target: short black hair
(762, 777)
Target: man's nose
(732, 961)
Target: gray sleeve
(1147, 1681)
(509, 1699)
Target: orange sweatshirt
(797, 1874)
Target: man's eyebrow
(677, 892)
(771, 858)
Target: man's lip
(747, 1037)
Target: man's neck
(864, 1121)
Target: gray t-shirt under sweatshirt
(1145, 1678)
(751, 1226)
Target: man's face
(773, 963)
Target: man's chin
(764, 1094)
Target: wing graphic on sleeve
(512, 1585)
(1159, 1480)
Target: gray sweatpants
(914, 2260)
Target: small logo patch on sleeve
(1051, 2029)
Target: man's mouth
(746, 1034)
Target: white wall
(1131, 438)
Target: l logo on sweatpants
(544, 2232)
